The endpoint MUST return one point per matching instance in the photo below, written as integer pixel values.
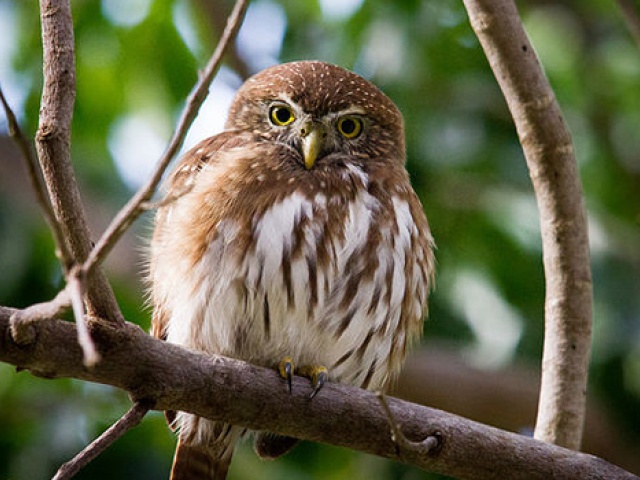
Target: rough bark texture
(552, 166)
(224, 389)
(52, 143)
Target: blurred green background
(136, 62)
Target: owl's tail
(201, 462)
(204, 448)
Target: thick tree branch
(552, 165)
(52, 143)
(225, 389)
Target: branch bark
(550, 156)
(53, 142)
(170, 377)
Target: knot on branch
(45, 132)
(22, 331)
(429, 446)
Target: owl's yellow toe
(286, 369)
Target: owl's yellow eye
(281, 115)
(349, 126)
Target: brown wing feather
(179, 182)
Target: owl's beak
(312, 136)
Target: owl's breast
(325, 279)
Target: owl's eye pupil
(281, 115)
(350, 127)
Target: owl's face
(323, 113)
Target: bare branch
(242, 394)
(137, 204)
(552, 165)
(37, 183)
(129, 420)
(76, 284)
(167, 200)
(216, 12)
(52, 143)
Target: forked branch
(139, 202)
(68, 219)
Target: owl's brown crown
(319, 88)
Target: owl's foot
(318, 374)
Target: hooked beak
(312, 136)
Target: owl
(295, 242)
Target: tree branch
(52, 143)
(37, 183)
(129, 420)
(233, 391)
(552, 166)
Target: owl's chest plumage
(327, 277)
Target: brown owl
(296, 242)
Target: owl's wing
(179, 183)
(203, 153)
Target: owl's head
(321, 110)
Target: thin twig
(135, 206)
(216, 12)
(21, 321)
(631, 16)
(424, 447)
(76, 284)
(37, 183)
(129, 420)
(167, 200)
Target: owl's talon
(319, 375)
(319, 380)
(286, 369)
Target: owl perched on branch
(294, 242)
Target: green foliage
(464, 159)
